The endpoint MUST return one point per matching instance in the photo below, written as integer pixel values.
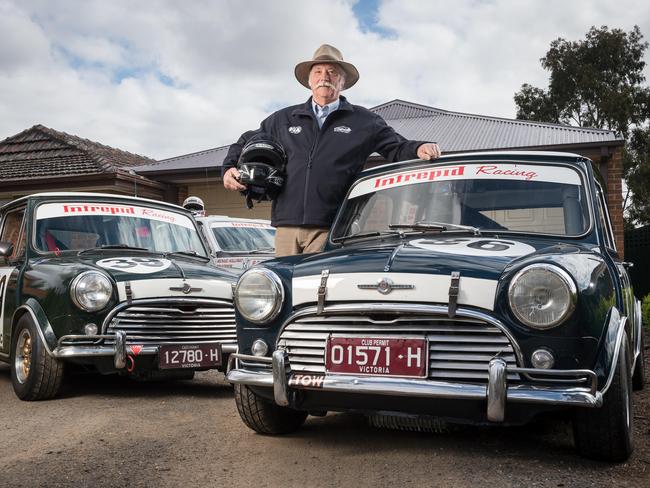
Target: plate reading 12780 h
(172, 356)
(377, 356)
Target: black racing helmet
(262, 166)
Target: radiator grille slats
(176, 323)
(459, 348)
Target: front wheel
(605, 433)
(264, 416)
(35, 375)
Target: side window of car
(13, 230)
(604, 218)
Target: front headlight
(91, 291)
(542, 296)
(259, 295)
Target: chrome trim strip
(250, 378)
(579, 397)
(398, 308)
(256, 359)
(617, 349)
(496, 390)
(280, 379)
(89, 350)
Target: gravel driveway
(110, 431)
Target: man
(327, 141)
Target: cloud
(164, 78)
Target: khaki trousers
(290, 240)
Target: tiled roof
(454, 131)
(41, 152)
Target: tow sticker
(473, 246)
(135, 265)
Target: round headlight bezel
(75, 293)
(565, 278)
(276, 288)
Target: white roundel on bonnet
(135, 265)
(473, 246)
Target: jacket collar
(306, 108)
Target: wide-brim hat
(327, 54)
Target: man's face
(326, 81)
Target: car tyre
(264, 416)
(35, 375)
(638, 378)
(605, 433)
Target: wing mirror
(6, 249)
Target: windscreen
(540, 199)
(78, 226)
(244, 237)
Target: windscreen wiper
(114, 246)
(189, 254)
(261, 250)
(439, 226)
(375, 233)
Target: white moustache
(326, 84)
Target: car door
(12, 230)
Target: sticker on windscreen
(472, 246)
(487, 171)
(54, 210)
(135, 264)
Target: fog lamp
(259, 348)
(542, 359)
(90, 329)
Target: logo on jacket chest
(343, 129)
(295, 129)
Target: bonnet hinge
(322, 291)
(453, 293)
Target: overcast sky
(165, 78)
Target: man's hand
(231, 180)
(430, 150)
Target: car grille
(176, 322)
(459, 348)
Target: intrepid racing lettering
(495, 170)
(419, 176)
(102, 209)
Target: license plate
(377, 356)
(172, 356)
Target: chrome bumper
(497, 392)
(119, 349)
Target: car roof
(74, 194)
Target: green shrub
(645, 311)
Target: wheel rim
(23, 359)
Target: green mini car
(115, 283)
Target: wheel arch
(34, 310)
(617, 331)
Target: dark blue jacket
(323, 162)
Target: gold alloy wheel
(23, 359)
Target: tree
(597, 82)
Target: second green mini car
(116, 283)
